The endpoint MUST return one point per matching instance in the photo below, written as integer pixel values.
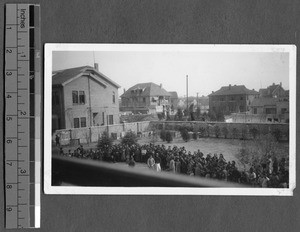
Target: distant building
(173, 100)
(203, 104)
(232, 99)
(273, 103)
(273, 91)
(146, 98)
(83, 97)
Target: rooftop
(146, 89)
(61, 77)
(234, 90)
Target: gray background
(199, 22)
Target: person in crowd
(177, 166)
(151, 162)
(131, 162)
(275, 165)
(270, 164)
(172, 164)
(252, 177)
(157, 161)
(57, 140)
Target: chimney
(280, 84)
(229, 86)
(160, 86)
(273, 84)
(96, 66)
(124, 90)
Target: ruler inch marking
(21, 70)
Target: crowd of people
(270, 173)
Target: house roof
(62, 77)
(146, 89)
(270, 90)
(263, 101)
(233, 90)
(173, 94)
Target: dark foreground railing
(83, 172)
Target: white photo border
(49, 189)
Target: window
(83, 122)
(255, 111)
(76, 122)
(283, 110)
(94, 118)
(55, 98)
(144, 99)
(114, 97)
(242, 98)
(103, 119)
(110, 119)
(78, 98)
(270, 110)
(81, 97)
(75, 97)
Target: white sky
(207, 71)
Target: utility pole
(187, 93)
(197, 101)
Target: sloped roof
(270, 90)
(146, 89)
(233, 90)
(264, 101)
(62, 76)
(173, 94)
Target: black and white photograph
(170, 119)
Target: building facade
(273, 103)
(83, 97)
(146, 98)
(173, 100)
(232, 99)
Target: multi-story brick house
(232, 99)
(146, 98)
(273, 102)
(83, 97)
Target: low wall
(92, 134)
(204, 129)
(226, 130)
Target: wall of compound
(92, 134)
(227, 130)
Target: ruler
(22, 116)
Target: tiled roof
(62, 76)
(233, 90)
(146, 89)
